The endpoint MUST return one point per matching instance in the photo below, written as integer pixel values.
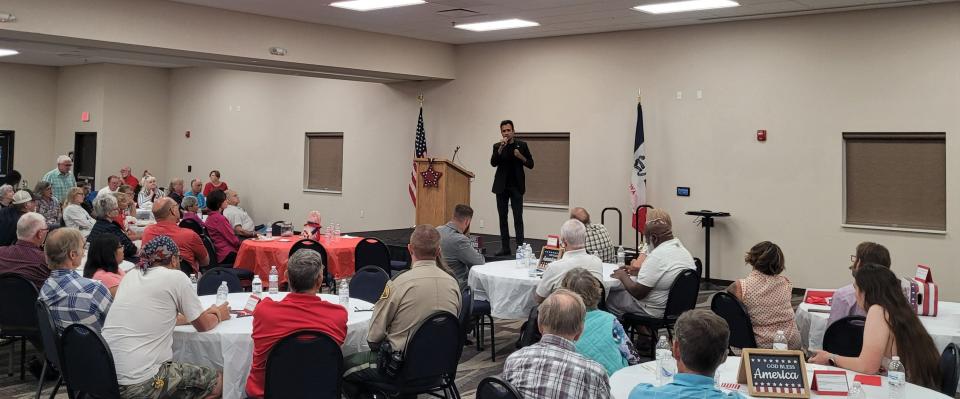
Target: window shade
(896, 180)
(549, 181)
(323, 162)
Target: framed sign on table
(774, 373)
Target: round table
(509, 287)
(258, 255)
(624, 380)
(944, 328)
(229, 347)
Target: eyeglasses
(853, 258)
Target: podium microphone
(455, 154)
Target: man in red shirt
(301, 309)
(167, 214)
(129, 179)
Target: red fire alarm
(187, 134)
(761, 135)
(84, 116)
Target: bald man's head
(162, 209)
(657, 232)
(580, 214)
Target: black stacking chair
(494, 387)
(210, 281)
(466, 311)
(367, 284)
(950, 367)
(482, 319)
(530, 332)
(845, 336)
(194, 226)
(602, 305)
(18, 316)
(371, 251)
(313, 245)
(682, 297)
(430, 360)
(304, 364)
(51, 348)
(88, 367)
(730, 309)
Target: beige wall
(28, 97)
(251, 127)
(804, 79)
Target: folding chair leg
(13, 345)
(43, 375)
(23, 358)
(56, 388)
(493, 341)
(456, 392)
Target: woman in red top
(214, 184)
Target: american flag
(419, 151)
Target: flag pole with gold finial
(420, 98)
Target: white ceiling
(556, 17)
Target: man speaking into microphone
(509, 157)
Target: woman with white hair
(73, 213)
(150, 193)
(6, 195)
(48, 205)
(105, 209)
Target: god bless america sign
(772, 373)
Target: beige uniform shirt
(410, 298)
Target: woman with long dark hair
(892, 329)
(103, 262)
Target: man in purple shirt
(844, 301)
(25, 258)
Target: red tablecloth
(258, 255)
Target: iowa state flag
(638, 176)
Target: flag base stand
(706, 221)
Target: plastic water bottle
(520, 256)
(336, 232)
(329, 235)
(269, 231)
(257, 285)
(780, 341)
(666, 365)
(274, 280)
(222, 293)
(621, 256)
(344, 292)
(194, 281)
(856, 391)
(896, 378)
(531, 258)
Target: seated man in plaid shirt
(71, 297)
(598, 239)
(552, 368)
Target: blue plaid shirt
(61, 182)
(74, 299)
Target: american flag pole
(419, 151)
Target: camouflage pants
(175, 381)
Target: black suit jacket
(508, 164)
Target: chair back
(432, 351)
(210, 281)
(187, 268)
(314, 245)
(192, 225)
(730, 309)
(49, 334)
(304, 364)
(602, 305)
(845, 336)
(950, 367)
(530, 332)
(88, 366)
(466, 310)
(699, 265)
(18, 316)
(494, 387)
(683, 294)
(367, 284)
(371, 251)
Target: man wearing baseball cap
(23, 202)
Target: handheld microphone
(455, 154)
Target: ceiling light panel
(497, 25)
(368, 5)
(685, 6)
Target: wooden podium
(435, 204)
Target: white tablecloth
(509, 287)
(229, 347)
(624, 380)
(944, 329)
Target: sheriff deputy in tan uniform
(406, 301)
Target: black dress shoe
(503, 252)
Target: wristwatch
(832, 359)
